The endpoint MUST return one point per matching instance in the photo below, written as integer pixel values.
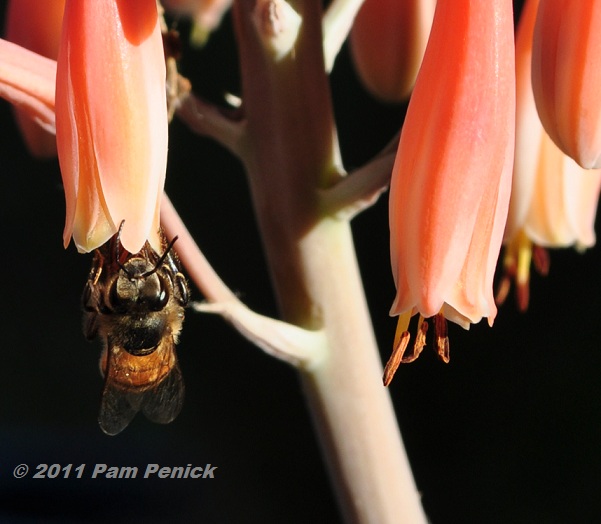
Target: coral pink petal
(566, 74)
(455, 152)
(114, 136)
(134, 101)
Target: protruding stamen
(396, 358)
(541, 260)
(420, 341)
(442, 338)
(401, 327)
(522, 277)
(509, 270)
(420, 338)
(520, 254)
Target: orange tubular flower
(387, 41)
(452, 176)
(566, 74)
(111, 121)
(553, 200)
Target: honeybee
(135, 304)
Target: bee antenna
(147, 273)
(118, 248)
(160, 260)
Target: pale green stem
(290, 151)
(337, 23)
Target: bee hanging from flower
(135, 304)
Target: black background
(509, 431)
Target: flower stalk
(290, 151)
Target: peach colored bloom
(111, 121)
(36, 26)
(553, 200)
(563, 204)
(387, 44)
(566, 74)
(452, 175)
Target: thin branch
(199, 269)
(208, 120)
(300, 347)
(297, 346)
(362, 188)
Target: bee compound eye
(116, 302)
(161, 296)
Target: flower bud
(387, 44)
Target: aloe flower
(36, 26)
(111, 121)
(387, 45)
(553, 200)
(452, 175)
(566, 74)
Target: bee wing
(117, 408)
(90, 325)
(160, 403)
(163, 403)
